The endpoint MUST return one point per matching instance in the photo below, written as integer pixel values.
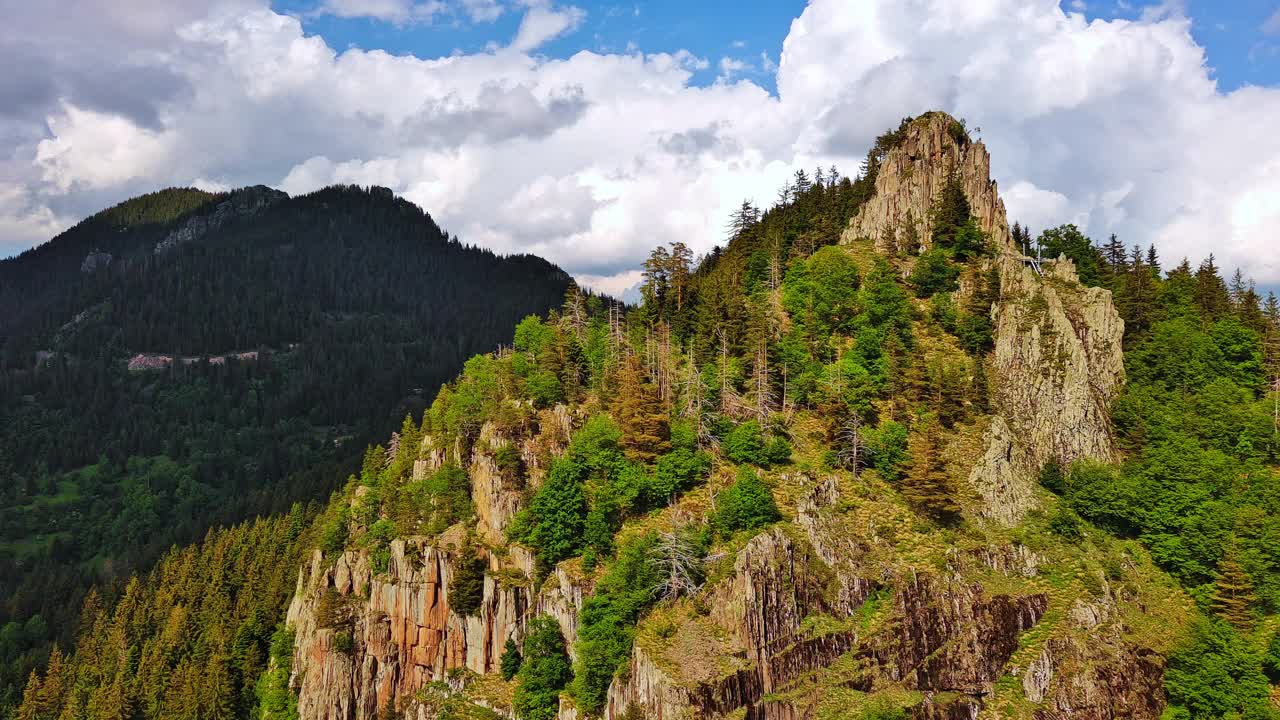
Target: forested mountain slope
(187, 359)
(871, 460)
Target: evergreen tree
(1116, 258)
(1153, 260)
(1233, 595)
(746, 504)
(544, 671)
(927, 485)
(1138, 305)
(950, 211)
(1211, 294)
(511, 659)
(466, 587)
(639, 412)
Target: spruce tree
(1210, 291)
(1233, 595)
(927, 487)
(640, 414)
(950, 211)
(511, 659)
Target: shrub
(1051, 477)
(745, 505)
(777, 451)
(934, 272)
(343, 643)
(1218, 674)
(510, 465)
(673, 473)
(608, 622)
(333, 536)
(887, 446)
(745, 444)
(1067, 524)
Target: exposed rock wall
(398, 628)
(943, 635)
(912, 175)
(240, 203)
(1059, 361)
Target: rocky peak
(913, 173)
(238, 204)
(1058, 362)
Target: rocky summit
(849, 599)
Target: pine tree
(927, 486)
(1233, 595)
(981, 387)
(640, 414)
(544, 672)
(1271, 356)
(679, 261)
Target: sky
(589, 132)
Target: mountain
(186, 360)
(872, 459)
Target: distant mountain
(187, 359)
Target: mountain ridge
(890, 473)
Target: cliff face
(367, 641)
(1058, 359)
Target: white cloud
(23, 221)
(543, 23)
(482, 10)
(395, 11)
(591, 160)
(730, 67)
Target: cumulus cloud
(593, 159)
(543, 23)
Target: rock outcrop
(238, 204)
(1058, 359)
(912, 175)
(94, 261)
(939, 633)
(366, 641)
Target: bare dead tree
(680, 562)
(852, 443)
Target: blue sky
(1240, 51)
